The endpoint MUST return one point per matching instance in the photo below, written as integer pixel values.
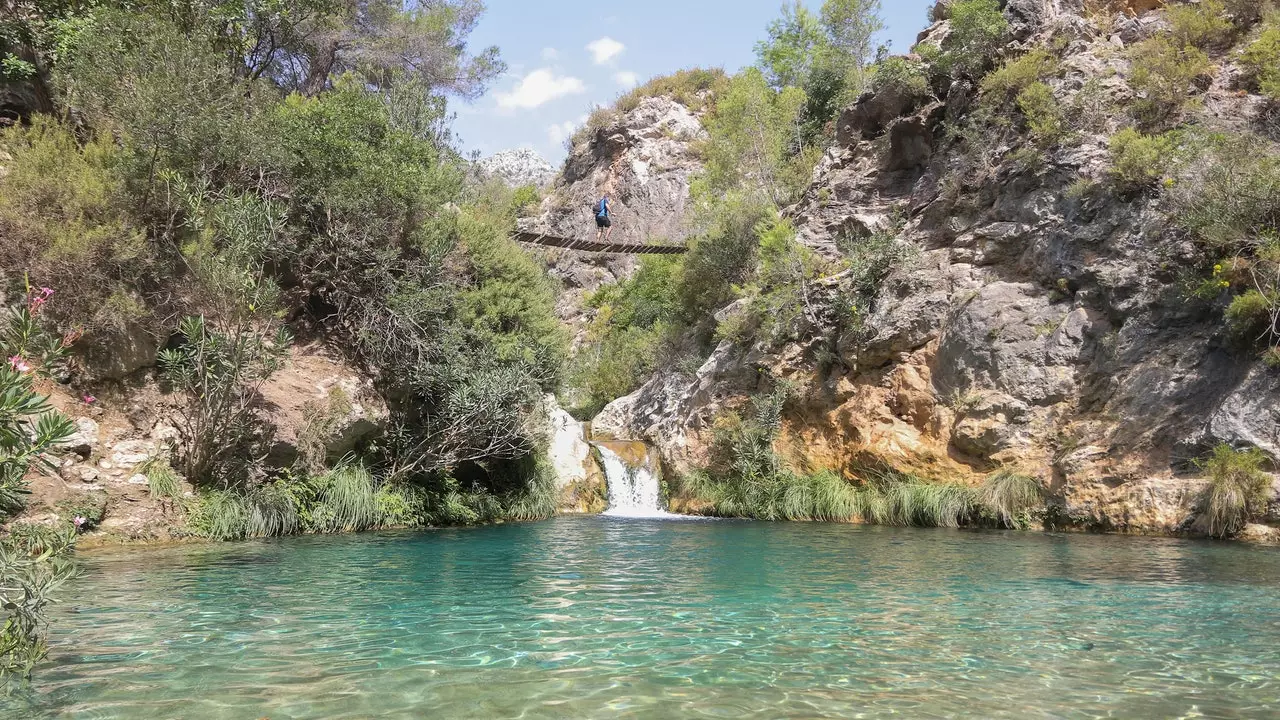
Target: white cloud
(549, 54)
(626, 79)
(560, 132)
(605, 49)
(538, 88)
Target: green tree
(753, 131)
(795, 42)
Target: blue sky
(566, 56)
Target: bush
(1045, 118)
(1238, 489)
(695, 88)
(1139, 161)
(221, 370)
(35, 562)
(1163, 73)
(978, 32)
(900, 76)
(63, 216)
(1249, 315)
(1229, 196)
(1005, 84)
(1261, 61)
(1203, 24)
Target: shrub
(978, 31)
(901, 76)
(1045, 118)
(1238, 489)
(1229, 196)
(1261, 61)
(1203, 24)
(1139, 161)
(695, 88)
(1163, 72)
(1005, 84)
(85, 512)
(1250, 315)
(220, 370)
(34, 563)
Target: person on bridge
(604, 219)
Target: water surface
(617, 618)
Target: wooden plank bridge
(533, 238)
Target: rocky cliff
(1034, 320)
(644, 159)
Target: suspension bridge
(620, 248)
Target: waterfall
(634, 489)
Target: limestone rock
(85, 439)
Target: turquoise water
(614, 618)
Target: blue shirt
(604, 208)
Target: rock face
(644, 160)
(578, 475)
(517, 168)
(1032, 325)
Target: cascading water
(634, 490)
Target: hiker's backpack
(597, 208)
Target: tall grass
(909, 501)
(539, 500)
(1238, 489)
(219, 515)
(347, 500)
(162, 481)
(1008, 496)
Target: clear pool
(617, 618)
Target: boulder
(85, 439)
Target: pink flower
(19, 364)
(89, 399)
(45, 292)
(79, 521)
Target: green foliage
(785, 295)
(1163, 73)
(61, 212)
(795, 41)
(1250, 315)
(909, 501)
(978, 30)
(1229, 195)
(35, 562)
(162, 482)
(695, 88)
(1203, 24)
(1011, 496)
(1138, 161)
(1238, 489)
(900, 75)
(221, 370)
(1045, 117)
(753, 130)
(29, 427)
(826, 55)
(85, 511)
(219, 515)
(1009, 81)
(1261, 61)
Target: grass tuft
(1238, 489)
(1008, 496)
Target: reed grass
(1238, 489)
(1009, 496)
